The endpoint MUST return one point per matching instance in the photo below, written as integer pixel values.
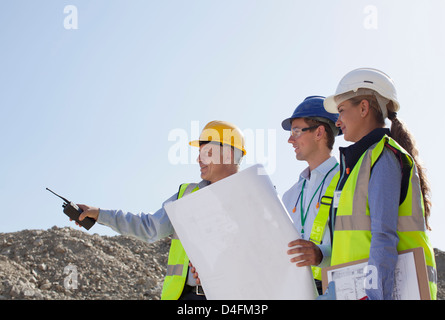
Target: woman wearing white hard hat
(381, 203)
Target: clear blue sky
(88, 112)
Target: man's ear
(228, 155)
(319, 132)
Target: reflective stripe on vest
(177, 265)
(321, 219)
(352, 234)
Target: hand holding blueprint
(235, 233)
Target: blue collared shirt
(383, 198)
(148, 227)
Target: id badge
(336, 199)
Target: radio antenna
(58, 195)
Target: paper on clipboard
(410, 278)
(236, 232)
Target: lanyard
(301, 196)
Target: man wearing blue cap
(312, 135)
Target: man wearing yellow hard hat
(225, 160)
(221, 148)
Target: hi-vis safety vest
(352, 233)
(178, 262)
(321, 219)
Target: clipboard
(415, 259)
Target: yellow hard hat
(222, 132)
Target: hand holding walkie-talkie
(73, 211)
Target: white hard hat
(364, 78)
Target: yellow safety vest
(352, 233)
(321, 220)
(178, 262)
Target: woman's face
(350, 121)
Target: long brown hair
(401, 134)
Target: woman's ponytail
(401, 134)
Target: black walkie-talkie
(73, 211)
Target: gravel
(70, 264)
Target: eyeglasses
(296, 132)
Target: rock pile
(66, 263)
